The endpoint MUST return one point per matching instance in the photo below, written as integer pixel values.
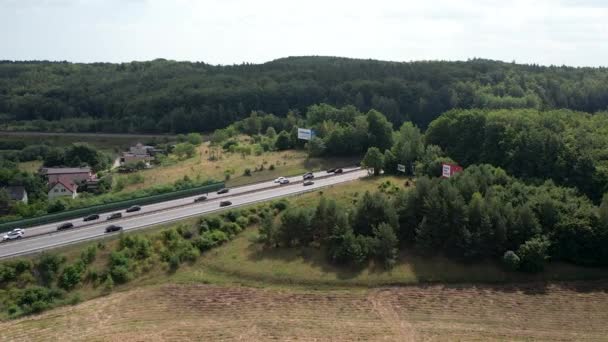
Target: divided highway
(46, 236)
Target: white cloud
(232, 31)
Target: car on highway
(307, 183)
(14, 234)
(331, 171)
(114, 216)
(225, 203)
(338, 171)
(113, 228)
(223, 191)
(308, 175)
(284, 181)
(66, 225)
(91, 218)
(133, 209)
(200, 199)
(279, 180)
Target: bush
(510, 261)
(247, 172)
(210, 239)
(280, 205)
(88, 255)
(242, 221)
(233, 215)
(533, 254)
(71, 276)
(254, 219)
(271, 167)
(231, 228)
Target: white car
(280, 180)
(284, 181)
(14, 234)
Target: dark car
(114, 216)
(331, 170)
(91, 217)
(113, 228)
(225, 203)
(133, 209)
(307, 183)
(338, 171)
(308, 175)
(66, 225)
(223, 191)
(200, 199)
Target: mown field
(179, 312)
(240, 291)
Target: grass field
(180, 312)
(30, 166)
(199, 167)
(107, 143)
(240, 291)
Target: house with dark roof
(74, 174)
(16, 193)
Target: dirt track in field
(571, 311)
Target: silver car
(14, 234)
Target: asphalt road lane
(150, 208)
(166, 212)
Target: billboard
(305, 133)
(401, 167)
(447, 170)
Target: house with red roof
(62, 187)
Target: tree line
(481, 213)
(168, 96)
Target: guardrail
(109, 207)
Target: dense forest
(169, 96)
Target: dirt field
(568, 311)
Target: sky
(558, 32)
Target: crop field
(178, 312)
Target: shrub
(231, 228)
(242, 221)
(254, 219)
(271, 167)
(533, 254)
(108, 284)
(233, 215)
(210, 239)
(71, 276)
(88, 255)
(510, 261)
(247, 172)
(48, 267)
(280, 205)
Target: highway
(46, 236)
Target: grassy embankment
(297, 295)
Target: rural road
(46, 236)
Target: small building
(62, 188)
(138, 153)
(130, 158)
(16, 193)
(70, 174)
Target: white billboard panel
(447, 171)
(305, 134)
(401, 167)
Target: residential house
(62, 187)
(72, 174)
(64, 181)
(138, 153)
(16, 193)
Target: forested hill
(168, 96)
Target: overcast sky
(571, 32)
